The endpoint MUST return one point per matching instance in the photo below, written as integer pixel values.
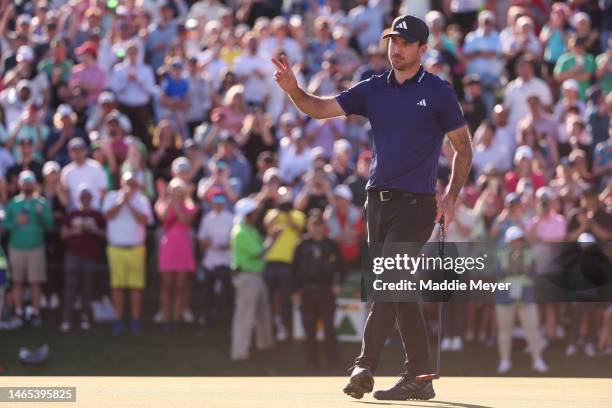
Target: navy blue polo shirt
(408, 122)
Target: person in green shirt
(27, 216)
(576, 64)
(252, 303)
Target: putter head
(428, 377)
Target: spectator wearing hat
(319, 44)
(15, 100)
(128, 213)
(88, 74)
(280, 39)
(27, 216)
(521, 42)
(176, 259)
(214, 235)
(58, 199)
(25, 161)
(523, 168)
(474, 108)
(32, 127)
(482, 49)
(118, 128)
(83, 170)
(576, 64)
(229, 152)
(230, 115)
(286, 224)
(133, 83)
(221, 177)
(513, 214)
(97, 118)
(325, 133)
(318, 271)
(341, 163)
(64, 130)
(200, 94)
(345, 224)
(26, 69)
(174, 95)
(544, 125)
(518, 91)
(136, 163)
(252, 302)
(83, 230)
(325, 81)
(348, 60)
(160, 36)
(569, 103)
(516, 266)
(358, 181)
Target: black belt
(388, 195)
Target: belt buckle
(382, 196)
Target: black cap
(410, 28)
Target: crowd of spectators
(130, 129)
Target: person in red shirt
(523, 168)
(83, 229)
(345, 224)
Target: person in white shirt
(15, 100)
(253, 72)
(214, 236)
(128, 213)
(518, 91)
(83, 170)
(488, 152)
(295, 157)
(134, 85)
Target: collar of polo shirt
(416, 78)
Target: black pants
(408, 220)
(319, 303)
(225, 302)
(141, 118)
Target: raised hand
(284, 75)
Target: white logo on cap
(402, 25)
(422, 103)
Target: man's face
(24, 94)
(316, 229)
(77, 154)
(525, 70)
(85, 199)
(27, 188)
(403, 54)
(26, 148)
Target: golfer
(410, 111)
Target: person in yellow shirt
(289, 224)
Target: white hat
(25, 53)
(513, 233)
(106, 97)
(244, 207)
(545, 192)
(586, 238)
(64, 110)
(180, 165)
(269, 174)
(343, 191)
(23, 19)
(523, 152)
(571, 85)
(486, 15)
(50, 167)
(580, 16)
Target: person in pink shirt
(176, 260)
(547, 227)
(88, 74)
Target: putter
(435, 375)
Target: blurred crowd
(147, 136)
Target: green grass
(194, 352)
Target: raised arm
(316, 107)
